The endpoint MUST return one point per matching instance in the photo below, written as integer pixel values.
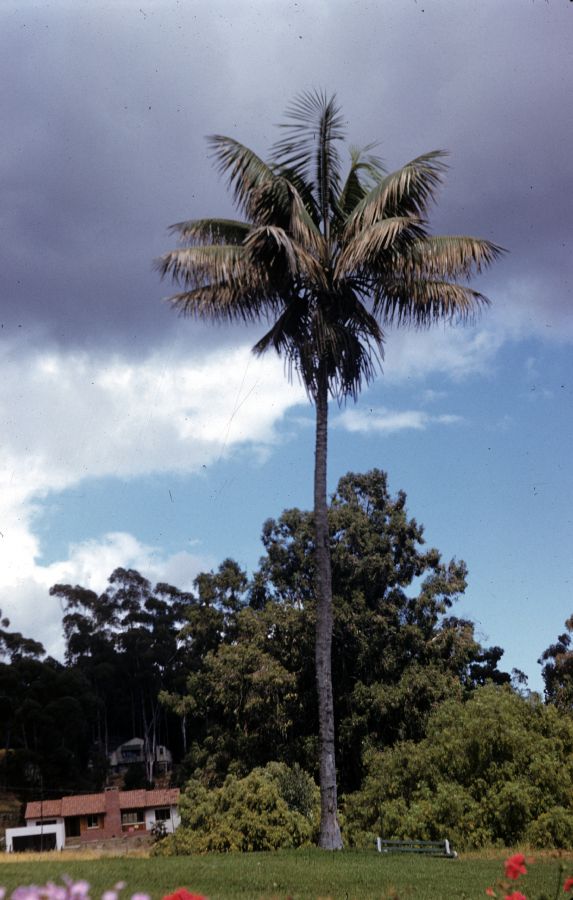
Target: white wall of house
(59, 820)
(38, 830)
(171, 823)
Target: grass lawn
(299, 874)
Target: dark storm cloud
(103, 136)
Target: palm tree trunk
(329, 838)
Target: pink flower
(78, 889)
(183, 894)
(490, 892)
(517, 895)
(114, 893)
(55, 892)
(26, 892)
(514, 867)
(568, 884)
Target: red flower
(517, 895)
(183, 894)
(568, 885)
(514, 867)
(490, 892)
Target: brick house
(87, 818)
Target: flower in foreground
(517, 895)
(568, 885)
(79, 890)
(183, 894)
(514, 867)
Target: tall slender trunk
(329, 838)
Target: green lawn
(300, 875)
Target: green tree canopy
(398, 651)
(497, 768)
(557, 672)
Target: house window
(46, 822)
(163, 814)
(133, 818)
(93, 821)
(72, 826)
(131, 753)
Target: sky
(131, 437)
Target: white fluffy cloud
(385, 421)
(455, 351)
(32, 611)
(67, 417)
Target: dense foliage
(497, 768)
(271, 808)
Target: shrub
(270, 808)
(553, 828)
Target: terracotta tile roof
(86, 804)
(83, 804)
(48, 809)
(144, 799)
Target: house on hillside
(85, 818)
(134, 751)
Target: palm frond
(197, 266)
(303, 226)
(291, 337)
(277, 252)
(422, 302)
(211, 231)
(406, 191)
(304, 189)
(450, 256)
(368, 247)
(351, 359)
(248, 175)
(226, 302)
(278, 203)
(337, 332)
(355, 188)
(288, 331)
(314, 126)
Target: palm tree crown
(328, 261)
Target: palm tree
(328, 262)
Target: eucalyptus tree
(327, 260)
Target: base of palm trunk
(330, 837)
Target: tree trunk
(329, 838)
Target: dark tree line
(224, 674)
